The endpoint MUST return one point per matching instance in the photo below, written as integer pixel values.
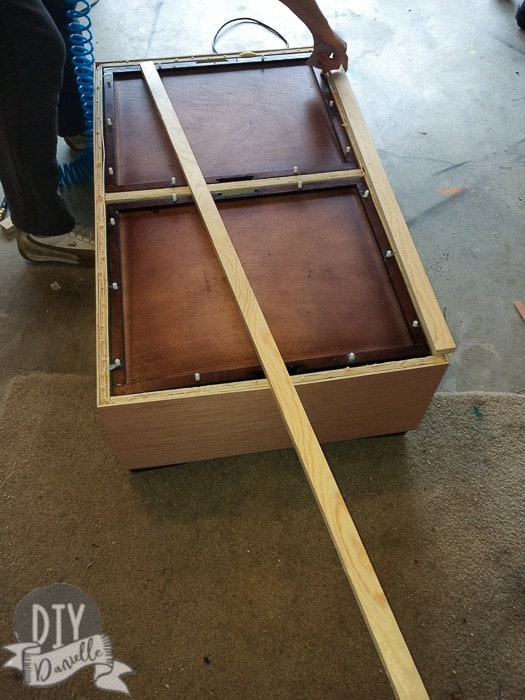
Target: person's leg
(32, 56)
(70, 113)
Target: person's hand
(338, 56)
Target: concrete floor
(442, 88)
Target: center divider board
(390, 644)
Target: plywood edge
(423, 297)
(335, 375)
(101, 281)
(212, 58)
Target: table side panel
(155, 433)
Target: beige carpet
(218, 579)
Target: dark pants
(37, 93)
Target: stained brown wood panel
(240, 122)
(315, 267)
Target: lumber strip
(238, 186)
(393, 651)
(101, 288)
(216, 58)
(437, 332)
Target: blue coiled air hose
(83, 58)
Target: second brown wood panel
(315, 266)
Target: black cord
(246, 20)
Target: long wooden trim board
(390, 644)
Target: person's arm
(309, 12)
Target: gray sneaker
(75, 248)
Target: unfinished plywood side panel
(437, 332)
(204, 423)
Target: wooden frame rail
(437, 332)
(238, 186)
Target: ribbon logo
(58, 628)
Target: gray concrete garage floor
(442, 87)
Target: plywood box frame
(154, 428)
(161, 427)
